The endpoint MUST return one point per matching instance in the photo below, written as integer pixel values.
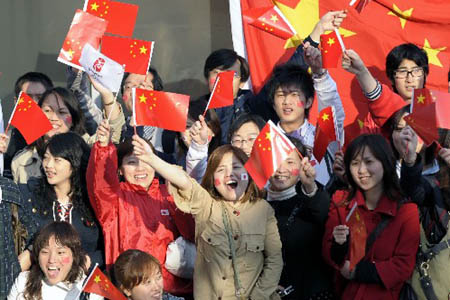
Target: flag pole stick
(12, 114)
(113, 105)
(133, 96)
(341, 42)
(89, 277)
(212, 93)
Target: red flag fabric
(331, 50)
(222, 94)
(134, 54)
(382, 25)
(271, 147)
(161, 109)
(121, 16)
(325, 132)
(99, 284)
(85, 28)
(268, 19)
(421, 97)
(29, 119)
(427, 119)
(264, 50)
(358, 238)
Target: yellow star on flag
(142, 99)
(274, 18)
(94, 6)
(268, 136)
(143, 50)
(421, 99)
(360, 124)
(433, 53)
(97, 279)
(331, 41)
(70, 52)
(21, 100)
(325, 117)
(403, 15)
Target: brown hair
(134, 267)
(65, 235)
(126, 148)
(251, 194)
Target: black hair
(156, 81)
(32, 77)
(243, 119)
(392, 125)
(126, 147)
(406, 51)
(289, 77)
(382, 151)
(300, 147)
(71, 147)
(223, 59)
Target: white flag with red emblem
(102, 68)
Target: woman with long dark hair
(371, 235)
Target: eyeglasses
(239, 142)
(403, 73)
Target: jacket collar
(385, 205)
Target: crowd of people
(98, 191)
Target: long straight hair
(382, 151)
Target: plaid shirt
(9, 264)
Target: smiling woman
(59, 266)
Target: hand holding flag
(29, 119)
(332, 47)
(99, 284)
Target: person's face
(290, 106)
(55, 262)
(237, 84)
(34, 89)
(407, 77)
(57, 113)
(137, 172)
(245, 137)
(367, 171)
(287, 174)
(57, 169)
(228, 179)
(152, 289)
(135, 81)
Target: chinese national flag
(325, 132)
(269, 19)
(427, 119)
(121, 16)
(85, 28)
(421, 97)
(331, 50)
(358, 237)
(270, 149)
(99, 284)
(29, 119)
(222, 94)
(161, 109)
(263, 49)
(134, 54)
(360, 4)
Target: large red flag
(269, 19)
(325, 132)
(271, 147)
(426, 120)
(222, 94)
(161, 109)
(134, 54)
(264, 50)
(331, 50)
(121, 16)
(29, 119)
(99, 284)
(85, 28)
(382, 25)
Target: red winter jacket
(133, 218)
(393, 252)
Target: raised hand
(339, 166)
(329, 21)
(405, 142)
(142, 149)
(307, 175)
(199, 131)
(352, 63)
(103, 133)
(444, 153)
(313, 58)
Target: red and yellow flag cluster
(99, 284)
